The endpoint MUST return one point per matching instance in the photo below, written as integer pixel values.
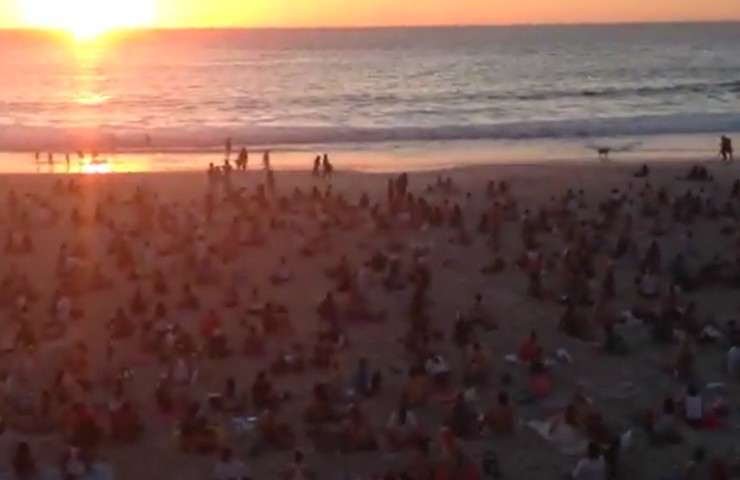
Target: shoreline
(393, 158)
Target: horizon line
(153, 28)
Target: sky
(326, 13)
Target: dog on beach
(604, 153)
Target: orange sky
(317, 13)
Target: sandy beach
(121, 231)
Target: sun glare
(86, 19)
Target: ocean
(187, 91)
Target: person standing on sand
(66, 160)
(725, 148)
(242, 160)
(327, 166)
(266, 160)
(50, 160)
(227, 147)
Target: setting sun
(87, 18)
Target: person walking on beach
(725, 148)
(50, 160)
(266, 160)
(66, 160)
(316, 166)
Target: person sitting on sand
(181, 371)
(263, 394)
(357, 435)
(539, 381)
(573, 324)
(23, 462)
(530, 351)
(292, 360)
(479, 314)
(18, 243)
(272, 432)
(254, 342)
(402, 429)
(75, 463)
(693, 407)
(463, 419)
(592, 466)
(297, 469)
(642, 172)
(160, 286)
(229, 468)
(231, 295)
(462, 333)
(196, 433)
(232, 401)
(684, 365)
(732, 360)
(163, 395)
(394, 279)
(321, 409)
(663, 427)
(648, 285)
(439, 371)
(477, 365)
(323, 354)
(613, 343)
(365, 383)
(501, 418)
(282, 274)
(453, 462)
(188, 300)
(82, 428)
(680, 274)
(416, 388)
(121, 325)
(125, 423)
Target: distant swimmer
(725, 148)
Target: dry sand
(456, 278)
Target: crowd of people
(202, 327)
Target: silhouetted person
(66, 161)
(317, 166)
(242, 160)
(266, 160)
(228, 147)
(725, 148)
(326, 164)
(50, 160)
